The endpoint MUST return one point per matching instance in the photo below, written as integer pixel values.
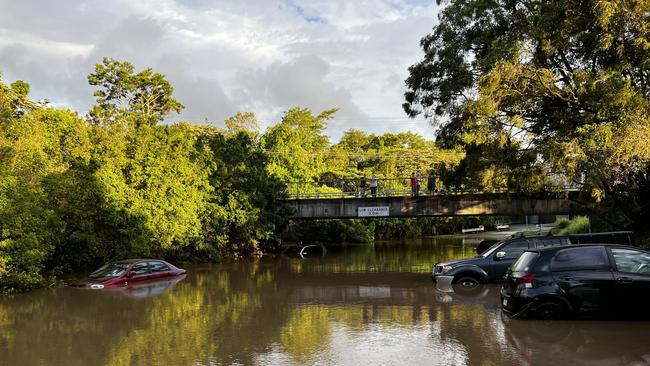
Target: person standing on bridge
(431, 183)
(362, 186)
(414, 185)
(373, 186)
(418, 178)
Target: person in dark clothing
(362, 186)
(431, 183)
(414, 185)
(373, 186)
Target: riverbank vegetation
(77, 191)
(578, 225)
(369, 230)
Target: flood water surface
(368, 305)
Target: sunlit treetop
(122, 93)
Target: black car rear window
(525, 262)
(580, 258)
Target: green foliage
(20, 88)
(297, 146)
(543, 93)
(242, 122)
(367, 230)
(578, 225)
(320, 167)
(247, 204)
(389, 155)
(33, 148)
(74, 194)
(331, 231)
(124, 96)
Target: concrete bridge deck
(475, 204)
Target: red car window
(158, 267)
(140, 268)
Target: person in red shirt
(414, 184)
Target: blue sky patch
(307, 15)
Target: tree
(34, 149)
(552, 90)
(13, 100)
(297, 145)
(145, 96)
(243, 122)
(248, 203)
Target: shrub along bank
(368, 230)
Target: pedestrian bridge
(438, 204)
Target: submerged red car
(130, 271)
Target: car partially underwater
(491, 265)
(129, 272)
(593, 280)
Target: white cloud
(39, 45)
(228, 56)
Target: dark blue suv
(491, 265)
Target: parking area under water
(362, 305)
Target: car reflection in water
(484, 295)
(145, 289)
(579, 342)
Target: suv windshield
(491, 249)
(525, 262)
(110, 270)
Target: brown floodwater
(366, 305)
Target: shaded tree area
(76, 192)
(541, 93)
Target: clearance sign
(381, 211)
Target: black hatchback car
(579, 281)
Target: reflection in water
(357, 306)
(143, 290)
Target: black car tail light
(525, 280)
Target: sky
(224, 57)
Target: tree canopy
(146, 95)
(77, 193)
(549, 92)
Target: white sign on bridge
(372, 211)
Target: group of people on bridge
(415, 181)
(374, 182)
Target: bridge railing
(354, 188)
(386, 187)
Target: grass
(578, 225)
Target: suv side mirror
(499, 256)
